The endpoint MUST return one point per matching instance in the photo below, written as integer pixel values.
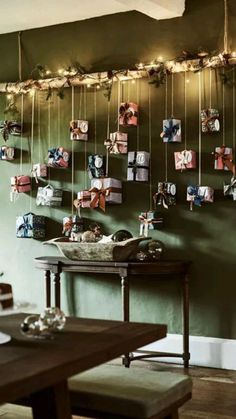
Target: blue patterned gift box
(96, 166)
(171, 131)
(30, 226)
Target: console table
(163, 269)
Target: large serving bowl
(112, 251)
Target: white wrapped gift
(49, 196)
(138, 166)
(105, 190)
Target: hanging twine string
(39, 127)
(223, 111)
(80, 101)
(200, 128)
(234, 127)
(150, 145)
(108, 134)
(32, 143)
(172, 95)
(118, 103)
(19, 56)
(21, 135)
(210, 86)
(138, 102)
(59, 119)
(128, 90)
(72, 151)
(49, 135)
(85, 142)
(226, 24)
(95, 119)
(185, 111)
(166, 144)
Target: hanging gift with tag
(196, 195)
(171, 132)
(185, 159)
(30, 226)
(49, 196)
(117, 143)
(19, 184)
(105, 191)
(210, 120)
(165, 195)
(79, 130)
(58, 157)
(83, 199)
(224, 158)
(230, 189)
(96, 166)
(149, 220)
(138, 166)
(7, 153)
(128, 114)
(8, 128)
(72, 224)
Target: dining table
(39, 368)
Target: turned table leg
(186, 354)
(57, 289)
(47, 276)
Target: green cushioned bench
(110, 391)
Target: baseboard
(204, 351)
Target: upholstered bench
(110, 391)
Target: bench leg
(173, 415)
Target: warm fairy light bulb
(133, 81)
(187, 81)
(141, 65)
(160, 58)
(60, 71)
(48, 72)
(32, 92)
(88, 85)
(9, 97)
(152, 62)
(233, 54)
(98, 86)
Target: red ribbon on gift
(224, 160)
(100, 196)
(147, 221)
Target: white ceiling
(19, 15)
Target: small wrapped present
(149, 221)
(185, 159)
(171, 131)
(96, 166)
(39, 170)
(128, 114)
(117, 144)
(79, 130)
(20, 184)
(49, 196)
(73, 223)
(10, 128)
(106, 190)
(7, 153)
(165, 195)
(198, 194)
(58, 157)
(210, 120)
(83, 199)
(138, 166)
(224, 158)
(30, 226)
(230, 189)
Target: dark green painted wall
(206, 235)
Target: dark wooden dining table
(40, 368)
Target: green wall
(205, 235)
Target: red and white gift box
(105, 190)
(128, 114)
(20, 184)
(223, 158)
(83, 199)
(185, 159)
(117, 143)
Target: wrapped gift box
(79, 130)
(72, 223)
(128, 114)
(138, 166)
(106, 190)
(223, 158)
(49, 196)
(230, 189)
(165, 195)
(96, 165)
(149, 221)
(210, 120)
(171, 131)
(30, 226)
(39, 170)
(7, 153)
(10, 128)
(117, 144)
(198, 194)
(185, 159)
(83, 199)
(58, 157)
(20, 184)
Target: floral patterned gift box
(185, 159)
(79, 130)
(30, 226)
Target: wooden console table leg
(47, 276)
(52, 402)
(186, 354)
(57, 288)
(125, 310)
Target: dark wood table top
(28, 365)
(158, 267)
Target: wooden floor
(214, 390)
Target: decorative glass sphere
(121, 235)
(155, 249)
(53, 318)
